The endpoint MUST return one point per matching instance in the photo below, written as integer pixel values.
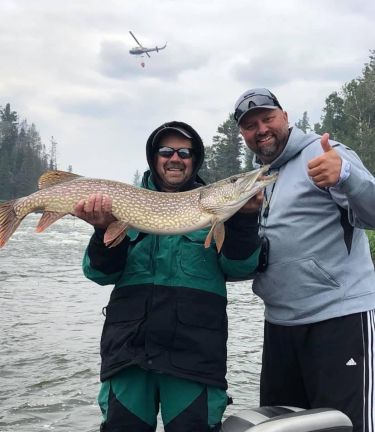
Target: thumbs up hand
(325, 169)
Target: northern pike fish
(134, 207)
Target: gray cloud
(281, 69)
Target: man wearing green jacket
(165, 333)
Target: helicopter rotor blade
(135, 39)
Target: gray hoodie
(320, 265)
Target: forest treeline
(23, 156)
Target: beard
(270, 151)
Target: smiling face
(173, 172)
(265, 132)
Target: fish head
(225, 197)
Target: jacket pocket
(121, 331)
(140, 250)
(196, 260)
(201, 335)
(125, 309)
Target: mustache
(263, 134)
(174, 165)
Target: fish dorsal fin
(52, 178)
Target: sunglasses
(168, 152)
(254, 100)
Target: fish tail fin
(9, 221)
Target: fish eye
(233, 179)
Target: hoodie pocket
(296, 289)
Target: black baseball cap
(169, 130)
(254, 99)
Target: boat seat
(287, 419)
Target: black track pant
(329, 364)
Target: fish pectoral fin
(217, 231)
(115, 233)
(219, 235)
(208, 240)
(47, 219)
(213, 208)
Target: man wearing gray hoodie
(316, 277)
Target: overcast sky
(65, 66)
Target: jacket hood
(297, 141)
(180, 127)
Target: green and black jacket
(167, 311)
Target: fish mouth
(253, 183)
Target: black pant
(329, 364)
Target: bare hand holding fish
(97, 211)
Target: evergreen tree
(303, 123)
(349, 116)
(248, 160)
(5, 176)
(137, 179)
(228, 148)
(9, 128)
(206, 171)
(333, 116)
(52, 154)
(224, 157)
(22, 156)
(8, 138)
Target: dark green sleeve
(104, 259)
(241, 236)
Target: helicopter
(140, 49)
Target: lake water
(50, 326)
